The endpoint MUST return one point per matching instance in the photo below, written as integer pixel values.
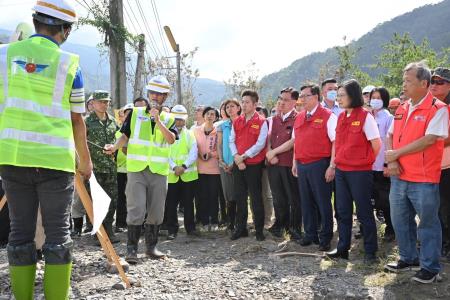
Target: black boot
(109, 231)
(134, 233)
(151, 239)
(77, 226)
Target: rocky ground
(214, 267)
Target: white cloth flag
(100, 202)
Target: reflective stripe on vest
(179, 152)
(35, 120)
(147, 147)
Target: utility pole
(138, 86)
(117, 55)
(176, 49)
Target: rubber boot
(151, 239)
(77, 226)
(134, 233)
(22, 266)
(22, 281)
(57, 281)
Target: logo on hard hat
(30, 67)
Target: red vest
(247, 134)
(424, 166)
(353, 151)
(281, 133)
(311, 136)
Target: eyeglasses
(439, 82)
(305, 96)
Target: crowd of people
(325, 153)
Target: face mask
(332, 95)
(376, 104)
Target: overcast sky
(230, 34)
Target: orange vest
(247, 134)
(311, 136)
(424, 166)
(353, 151)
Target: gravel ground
(214, 267)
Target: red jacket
(353, 151)
(424, 166)
(311, 136)
(247, 134)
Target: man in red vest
(248, 147)
(414, 155)
(286, 198)
(314, 135)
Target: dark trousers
(29, 188)
(248, 182)
(444, 210)
(4, 220)
(222, 204)
(381, 188)
(121, 213)
(108, 182)
(355, 186)
(208, 186)
(286, 198)
(315, 193)
(177, 193)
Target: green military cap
(101, 95)
(444, 73)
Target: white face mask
(332, 95)
(376, 104)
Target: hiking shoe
(425, 276)
(402, 266)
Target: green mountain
(429, 21)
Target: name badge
(398, 116)
(356, 123)
(419, 118)
(318, 121)
(255, 126)
(143, 118)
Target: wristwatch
(332, 166)
(184, 166)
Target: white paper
(100, 203)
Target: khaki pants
(146, 193)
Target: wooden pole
(2, 202)
(101, 235)
(138, 86)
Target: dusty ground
(213, 267)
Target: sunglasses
(439, 82)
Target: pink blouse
(207, 144)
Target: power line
(146, 24)
(158, 24)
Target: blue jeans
(409, 199)
(355, 186)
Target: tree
(243, 79)
(401, 51)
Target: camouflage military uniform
(105, 168)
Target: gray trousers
(29, 188)
(227, 185)
(267, 197)
(146, 193)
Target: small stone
(284, 280)
(112, 269)
(119, 286)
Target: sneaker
(402, 266)
(171, 236)
(425, 276)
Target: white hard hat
(179, 112)
(59, 9)
(159, 84)
(128, 106)
(22, 32)
(368, 89)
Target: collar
(45, 37)
(252, 117)
(287, 115)
(425, 102)
(324, 104)
(313, 110)
(94, 116)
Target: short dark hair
(51, 29)
(328, 80)
(354, 92)
(384, 93)
(252, 94)
(315, 90)
(140, 99)
(208, 108)
(294, 93)
(234, 101)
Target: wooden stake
(2, 202)
(101, 235)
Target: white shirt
(285, 116)
(438, 125)
(331, 125)
(256, 148)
